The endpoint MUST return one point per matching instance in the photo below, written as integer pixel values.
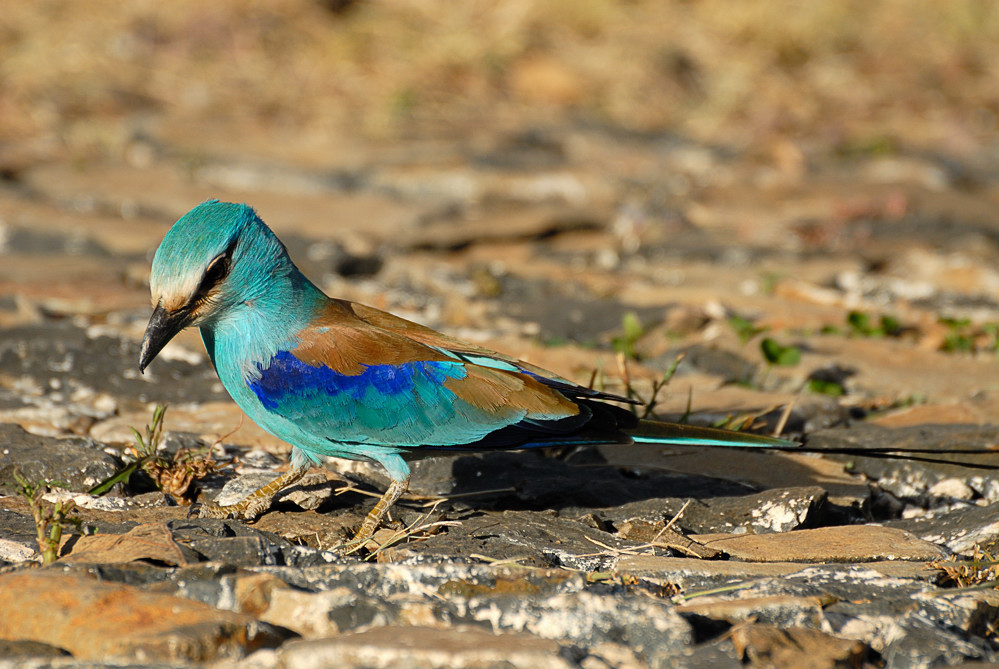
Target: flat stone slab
(96, 620)
(845, 543)
(425, 648)
(681, 570)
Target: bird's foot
(375, 517)
(359, 540)
(253, 505)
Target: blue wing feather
(404, 406)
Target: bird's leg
(256, 502)
(377, 514)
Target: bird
(335, 378)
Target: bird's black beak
(163, 326)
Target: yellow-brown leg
(395, 490)
(256, 502)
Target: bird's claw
(208, 509)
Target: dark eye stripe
(218, 269)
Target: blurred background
(832, 76)
(798, 196)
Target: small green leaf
(121, 476)
(958, 342)
(776, 354)
(824, 387)
(954, 322)
(632, 330)
(860, 323)
(891, 326)
(744, 328)
(632, 326)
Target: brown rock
(657, 534)
(545, 79)
(959, 412)
(752, 608)
(315, 614)
(763, 645)
(150, 541)
(683, 571)
(852, 543)
(96, 620)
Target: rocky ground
(840, 289)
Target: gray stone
(716, 654)
(913, 630)
(960, 529)
(76, 463)
(233, 542)
(779, 610)
(649, 627)
(532, 538)
(455, 578)
(910, 476)
(810, 414)
(62, 358)
(427, 648)
(914, 641)
(778, 510)
(329, 612)
(551, 604)
(311, 492)
(18, 537)
(567, 310)
(707, 359)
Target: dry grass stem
(785, 416)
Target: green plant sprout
(863, 325)
(777, 354)
(50, 519)
(826, 387)
(745, 328)
(176, 476)
(965, 337)
(631, 331)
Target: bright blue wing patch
(287, 375)
(405, 406)
(402, 406)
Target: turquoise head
(216, 258)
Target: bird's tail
(655, 432)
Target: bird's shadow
(576, 482)
(535, 481)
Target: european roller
(336, 378)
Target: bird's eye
(217, 270)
